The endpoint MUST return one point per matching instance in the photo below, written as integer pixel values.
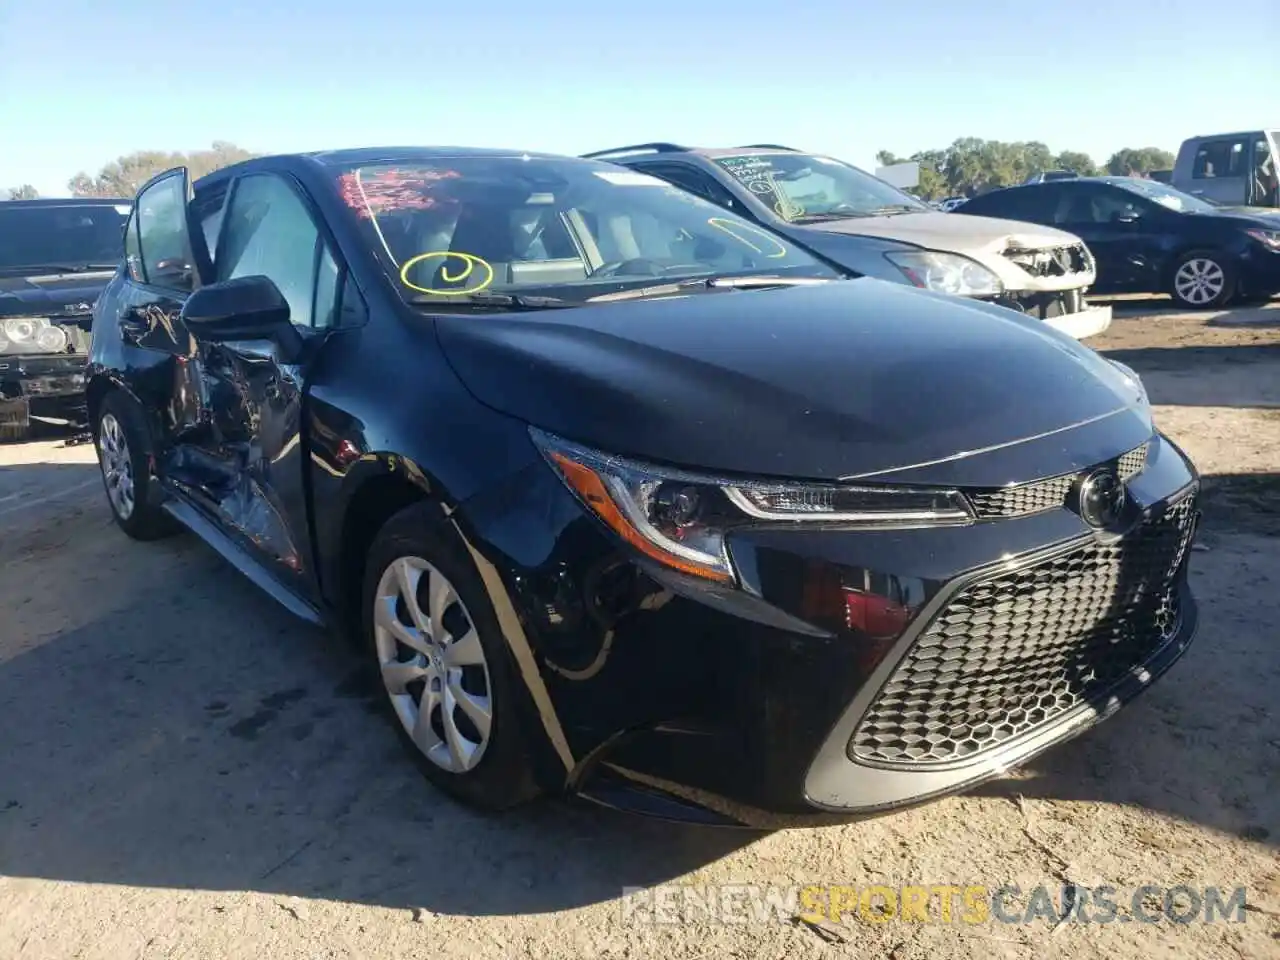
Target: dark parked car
(1150, 238)
(56, 256)
(623, 496)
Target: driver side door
(250, 460)
(1117, 226)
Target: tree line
(971, 166)
(968, 167)
(122, 177)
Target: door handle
(1198, 193)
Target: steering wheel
(635, 267)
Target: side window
(325, 310)
(1219, 158)
(267, 230)
(1093, 205)
(1266, 185)
(695, 181)
(132, 251)
(1033, 204)
(162, 235)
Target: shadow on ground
(1229, 375)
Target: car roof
(1225, 136)
(618, 154)
(68, 202)
(358, 155)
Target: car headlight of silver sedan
(946, 273)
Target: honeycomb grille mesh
(1019, 649)
(1044, 494)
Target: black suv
(56, 256)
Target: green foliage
(24, 192)
(971, 166)
(1138, 161)
(1076, 161)
(124, 175)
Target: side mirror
(247, 308)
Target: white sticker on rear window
(123, 209)
(629, 178)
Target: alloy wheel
(117, 465)
(432, 664)
(1199, 281)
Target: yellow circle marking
(736, 230)
(470, 263)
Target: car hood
(846, 379)
(936, 230)
(57, 295)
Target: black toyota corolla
(628, 498)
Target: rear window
(63, 236)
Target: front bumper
(1089, 322)
(1260, 271)
(51, 386)
(741, 705)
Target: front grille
(1018, 650)
(998, 502)
(1052, 261)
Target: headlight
(680, 519)
(31, 335)
(1268, 238)
(947, 273)
(52, 339)
(24, 329)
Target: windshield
(798, 186)
(1164, 195)
(567, 228)
(62, 236)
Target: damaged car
(852, 219)
(623, 496)
(56, 256)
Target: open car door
(171, 249)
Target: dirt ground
(186, 772)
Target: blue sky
(82, 81)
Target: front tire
(125, 457)
(1203, 280)
(446, 677)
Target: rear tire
(1202, 280)
(126, 458)
(441, 665)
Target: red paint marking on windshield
(373, 194)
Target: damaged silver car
(867, 226)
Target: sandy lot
(186, 772)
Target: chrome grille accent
(1039, 495)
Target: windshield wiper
(891, 209)
(707, 283)
(62, 267)
(757, 282)
(486, 300)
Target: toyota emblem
(1102, 498)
